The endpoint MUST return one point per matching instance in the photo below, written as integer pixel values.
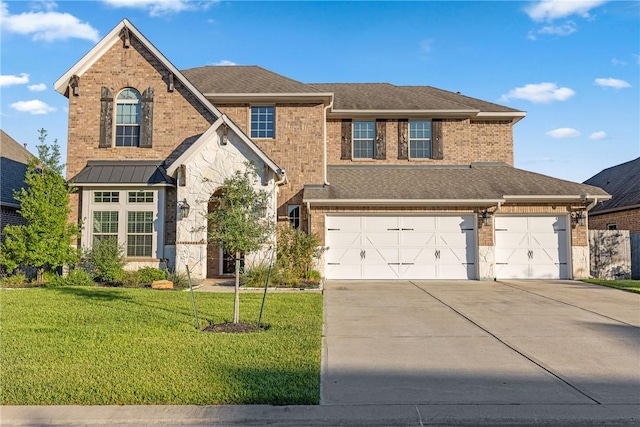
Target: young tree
(238, 223)
(45, 240)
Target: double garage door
(443, 247)
(400, 247)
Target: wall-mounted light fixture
(486, 217)
(579, 218)
(183, 209)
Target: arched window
(128, 108)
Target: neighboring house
(622, 212)
(400, 182)
(14, 159)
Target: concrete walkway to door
(536, 344)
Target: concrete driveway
(536, 343)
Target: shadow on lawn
(98, 294)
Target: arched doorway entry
(219, 262)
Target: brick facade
(628, 219)
(465, 141)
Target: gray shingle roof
(118, 172)
(622, 182)
(490, 181)
(239, 79)
(13, 167)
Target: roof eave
(343, 113)
(268, 97)
(514, 116)
(613, 210)
(403, 202)
(555, 198)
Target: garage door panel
(403, 247)
(534, 247)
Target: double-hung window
(420, 139)
(364, 140)
(128, 111)
(139, 233)
(263, 122)
(294, 215)
(105, 226)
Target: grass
(115, 346)
(626, 285)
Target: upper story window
(263, 122)
(106, 197)
(364, 140)
(420, 139)
(140, 196)
(294, 215)
(128, 108)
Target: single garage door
(531, 247)
(400, 247)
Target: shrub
(150, 274)
(313, 276)
(255, 276)
(107, 260)
(297, 253)
(14, 281)
(79, 277)
(130, 279)
(179, 279)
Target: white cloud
(224, 62)
(615, 83)
(616, 61)
(160, 7)
(38, 88)
(10, 80)
(426, 45)
(46, 25)
(539, 93)
(598, 135)
(559, 30)
(563, 133)
(34, 106)
(548, 10)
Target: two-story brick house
(399, 182)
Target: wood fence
(610, 252)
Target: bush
(107, 260)
(179, 279)
(150, 274)
(297, 253)
(130, 279)
(313, 276)
(256, 276)
(76, 277)
(15, 281)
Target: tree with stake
(46, 238)
(238, 221)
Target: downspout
(592, 204)
(324, 151)
(308, 217)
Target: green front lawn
(627, 285)
(115, 346)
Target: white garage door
(534, 247)
(400, 247)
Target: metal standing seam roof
(119, 172)
(622, 182)
(490, 181)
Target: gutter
(405, 202)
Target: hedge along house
(400, 182)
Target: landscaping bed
(119, 346)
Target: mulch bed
(231, 328)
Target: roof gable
(89, 59)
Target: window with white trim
(263, 122)
(105, 225)
(139, 233)
(420, 139)
(128, 108)
(294, 215)
(364, 134)
(132, 216)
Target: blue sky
(572, 65)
